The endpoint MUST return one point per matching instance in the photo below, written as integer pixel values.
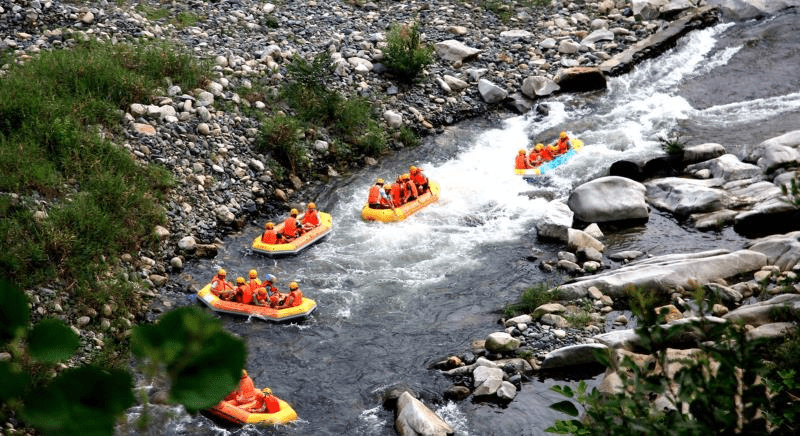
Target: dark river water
(395, 298)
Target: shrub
(530, 299)
(405, 54)
(729, 387)
(673, 145)
(407, 137)
(279, 136)
(792, 191)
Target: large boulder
(609, 199)
(580, 354)
(684, 197)
(764, 312)
(501, 342)
(580, 79)
(537, 86)
(727, 167)
(788, 139)
(491, 93)
(745, 9)
(781, 250)
(555, 222)
(668, 272)
(772, 216)
(702, 152)
(415, 419)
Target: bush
(792, 191)
(673, 145)
(405, 54)
(530, 299)
(279, 136)
(733, 385)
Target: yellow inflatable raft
(304, 241)
(577, 145)
(263, 312)
(402, 212)
(241, 416)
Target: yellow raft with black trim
(559, 160)
(240, 416)
(262, 312)
(404, 211)
(304, 241)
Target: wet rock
(457, 393)
(580, 79)
(555, 222)
(501, 342)
(491, 93)
(609, 199)
(187, 243)
(580, 354)
(414, 418)
(205, 251)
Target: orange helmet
(387, 187)
(312, 206)
(406, 176)
(552, 147)
(412, 169)
(239, 280)
(379, 181)
(221, 272)
(293, 212)
(293, 285)
(539, 147)
(253, 274)
(562, 135)
(270, 226)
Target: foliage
(729, 387)
(530, 299)
(98, 201)
(792, 190)
(673, 145)
(407, 137)
(405, 54)
(202, 361)
(186, 19)
(279, 136)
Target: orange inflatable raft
(304, 241)
(404, 211)
(241, 416)
(263, 312)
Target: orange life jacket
(244, 294)
(411, 189)
(254, 284)
(521, 162)
(290, 227)
(384, 201)
(246, 393)
(271, 404)
(218, 285)
(419, 178)
(563, 145)
(261, 295)
(297, 297)
(374, 194)
(311, 217)
(270, 237)
(396, 194)
(535, 158)
(546, 154)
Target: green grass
(186, 19)
(99, 201)
(530, 299)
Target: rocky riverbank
(485, 61)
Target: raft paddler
(410, 188)
(271, 236)
(521, 162)
(563, 143)
(243, 292)
(295, 297)
(418, 178)
(266, 402)
(310, 217)
(397, 191)
(261, 296)
(386, 198)
(245, 393)
(291, 226)
(547, 153)
(375, 194)
(218, 283)
(535, 156)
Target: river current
(395, 298)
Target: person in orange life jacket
(291, 227)
(271, 236)
(563, 143)
(245, 393)
(546, 153)
(262, 293)
(553, 150)
(386, 198)
(521, 162)
(266, 402)
(535, 157)
(374, 196)
(418, 178)
(410, 188)
(397, 192)
(218, 283)
(243, 293)
(310, 217)
(295, 297)
(254, 284)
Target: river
(395, 298)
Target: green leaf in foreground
(203, 361)
(565, 406)
(83, 401)
(14, 312)
(52, 341)
(12, 383)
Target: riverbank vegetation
(731, 384)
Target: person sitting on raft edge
(521, 162)
(295, 297)
(563, 143)
(418, 178)
(310, 217)
(270, 235)
(291, 227)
